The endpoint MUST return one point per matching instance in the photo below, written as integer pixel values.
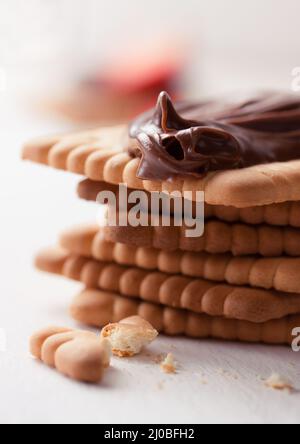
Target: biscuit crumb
(168, 365)
(129, 336)
(202, 377)
(228, 374)
(277, 382)
(160, 386)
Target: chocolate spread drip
(189, 140)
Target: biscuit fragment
(279, 273)
(80, 355)
(248, 187)
(99, 308)
(196, 295)
(129, 336)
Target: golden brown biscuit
(98, 308)
(219, 237)
(70, 152)
(99, 155)
(278, 273)
(196, 295)
(283, 214)
(80, 355)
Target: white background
(236, 44)
(232, 43)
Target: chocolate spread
(192, 139)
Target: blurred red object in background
(128, 85)
(144, 69)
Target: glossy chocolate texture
(192, 139)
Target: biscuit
(80, 355)
(283, 214)
(196, 295)
(129, 336)
(281, 273)
(69, 152)
(98, 308)
(219, 237)
(100, 155)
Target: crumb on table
(277, 382)
(168, 365)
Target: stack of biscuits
(239, 281)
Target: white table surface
(36, 204)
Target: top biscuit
(100, 156)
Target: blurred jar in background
(71, 58)
(125, 86)
(102, 61)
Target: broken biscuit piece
(277, 382)
(168, 365)
(129, 336)
(80, 355)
